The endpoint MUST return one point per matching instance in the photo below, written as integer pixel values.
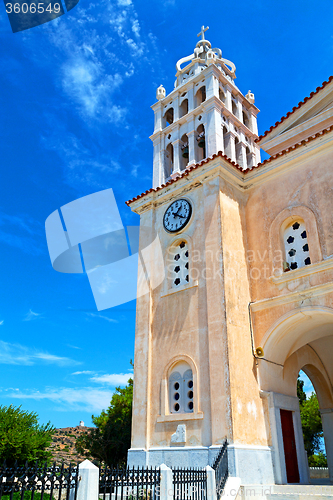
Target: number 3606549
(32, 8)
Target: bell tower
(194, 380)
(204, 114)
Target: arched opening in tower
(168, 117)
(246, 120)
(221, 95)
(168, 165)
(183, 108)
(184, 152)
(200, 153)
(248, 157)
(200, 96)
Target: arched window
(296, 245)
(168, 117)
(168, 165)
(246, 120)
(225, 140)
(178, 264)
(183, 108)
(184, 152)
(181, 389)
(200, 96)
(234, 107)
(238, 150)
(248, 157)
(201, 143)
(221, 95)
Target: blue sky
(75, 119)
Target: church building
(247, 297)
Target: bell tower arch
(205, 96)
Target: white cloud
(113, 379)
(94, 315)
(31, 316)
(86, 399)
(87, 83)
(84, 372)
(16, 354)
(1, 322)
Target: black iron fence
(38, 482)
(221, 469)
(189, 484)
(129, 484)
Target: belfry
(247, 296)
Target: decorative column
(239, 110)
(254, 124)
(213, 130)
(241, 155)
(175, 104)
(158, 117)
(191, 139)
(230, 149)
(190, 97)
(327, 421)
(212, 86)
(228, 103)
(191, 147)
(176, 156)
(158, 162)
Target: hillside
(63, 445)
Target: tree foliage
(311, 425)
(111, 439)
(22, 439)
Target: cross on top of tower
(202, 32)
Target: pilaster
(230, 149)
(158, 162)
(327, 421)
(176, 156)
(213, 130)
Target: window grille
(179, 265)
(296, 245)
(181, 392)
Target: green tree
(311, 425)
(22, 438)
(111, 439)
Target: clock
(177, 215)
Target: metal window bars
(221, 468)
(129, 484)
(43, 482)
(189, 484)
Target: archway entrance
(314, 442)
(299, 341)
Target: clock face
(177, 216)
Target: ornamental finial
(202, 32)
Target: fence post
(211, 483)
(88, 486)
(166, 483)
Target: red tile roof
(300, 104)
(185, 173)
(235, 165)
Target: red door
(289, 445)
